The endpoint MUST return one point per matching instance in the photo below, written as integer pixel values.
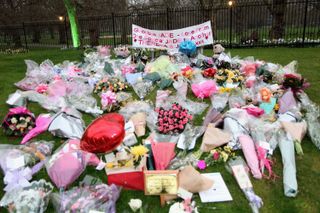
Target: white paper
(13, 99)
(129, 127)
(181, 144)
(200, 34)
(184, 194)
(110, 157)
(15, 163)
(95, 211)
(218, 192)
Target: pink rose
(216, 156)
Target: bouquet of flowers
(217, 155)
(121, 51)
(187, 72)
(209, 72)
(172, 120)
(112, 84)
(33, 198)
(18, 121)
(227, 76)
(98, 197)
(109, 101)
(294, 81)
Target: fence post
(168, 18)
(230, 30)
(66, 31)
(25, 35)
(114, 30)
(305, 22)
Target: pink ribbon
(264, 161)
(19, 110)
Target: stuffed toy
(217, 50)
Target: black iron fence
(255, 24)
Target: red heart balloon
(104, 134)
(114, 117)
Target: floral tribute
(294, 81)
(112, 84)
(173, 120)
(18, 122)
(228, 76)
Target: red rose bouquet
(173, 120)
(294, 81)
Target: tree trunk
(71, 9)
(16, 38)
(278, 23)
(124, 30)
(36, 35)
(62, 35)
(94, 36)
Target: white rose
(14, 120)
(135, 204)
(177, 208)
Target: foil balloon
(104, 134)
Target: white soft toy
(217, 50)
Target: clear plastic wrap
(16, 99)
(66, 126)
(238, 168)
(219, 101)
(312, 118)
(142, 88)
(236, 122)
(18, 162)
(30, 199)
(88, 198)
(34, 76)
(18, 156)
(286, 146)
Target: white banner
(200, 34)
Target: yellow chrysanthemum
(138, 151)
(109, 165)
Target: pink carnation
(42, 88)
(202, 164)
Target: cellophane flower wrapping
(36, 75)
(26, 155)
(239, 169)
(142, 88)
(237, 123)
(66, 126)
(16, 99)
(286, 146)
(219, 100)
(97, 197)
(312, 116)
(30, 199)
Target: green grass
(12, 69)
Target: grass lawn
(12, 69)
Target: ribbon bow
(254, 199)
(19, 110)
(17, 178)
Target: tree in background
(71, 10)
(277, 9)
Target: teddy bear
(217, 50)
